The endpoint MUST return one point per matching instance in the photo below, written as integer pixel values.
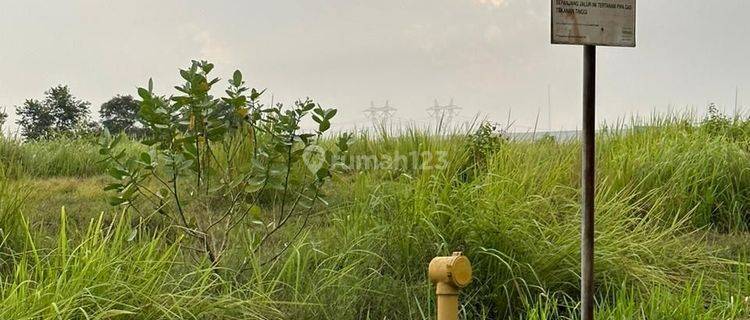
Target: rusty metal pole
(588, 178)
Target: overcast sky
(490, 56)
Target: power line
(443, 114)
(380, 115)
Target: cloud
(210, 48)
(493, 33)
(493, 3)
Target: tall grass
(519, 219)
(662, 190)
(112, 273)
(61, 157)
(687, 169)
(11, 222)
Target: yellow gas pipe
(450, 274)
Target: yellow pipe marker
(450, 274)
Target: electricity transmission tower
(380, 115)
(443, 114)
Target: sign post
(591, 24)
(588, 178)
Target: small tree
(69, 112)
(120, 114)
(214, 165)
(59, 112)
(36, 120)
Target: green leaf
(129, 190)
(255, 212)
(190, 151)
(117, 173)
(113, 186)
(115, 141)
(330, 113)
(324, 125)
(145, 158)
(185, 75)
(237, 78)
(145, 95)
(323, 173)
(254, 94)
(116, 201)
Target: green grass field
(673, 214)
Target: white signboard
(600, 22)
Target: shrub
(232, 152)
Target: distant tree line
(60, 113)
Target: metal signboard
(591, 24)
(599, 23)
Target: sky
(492, 57)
